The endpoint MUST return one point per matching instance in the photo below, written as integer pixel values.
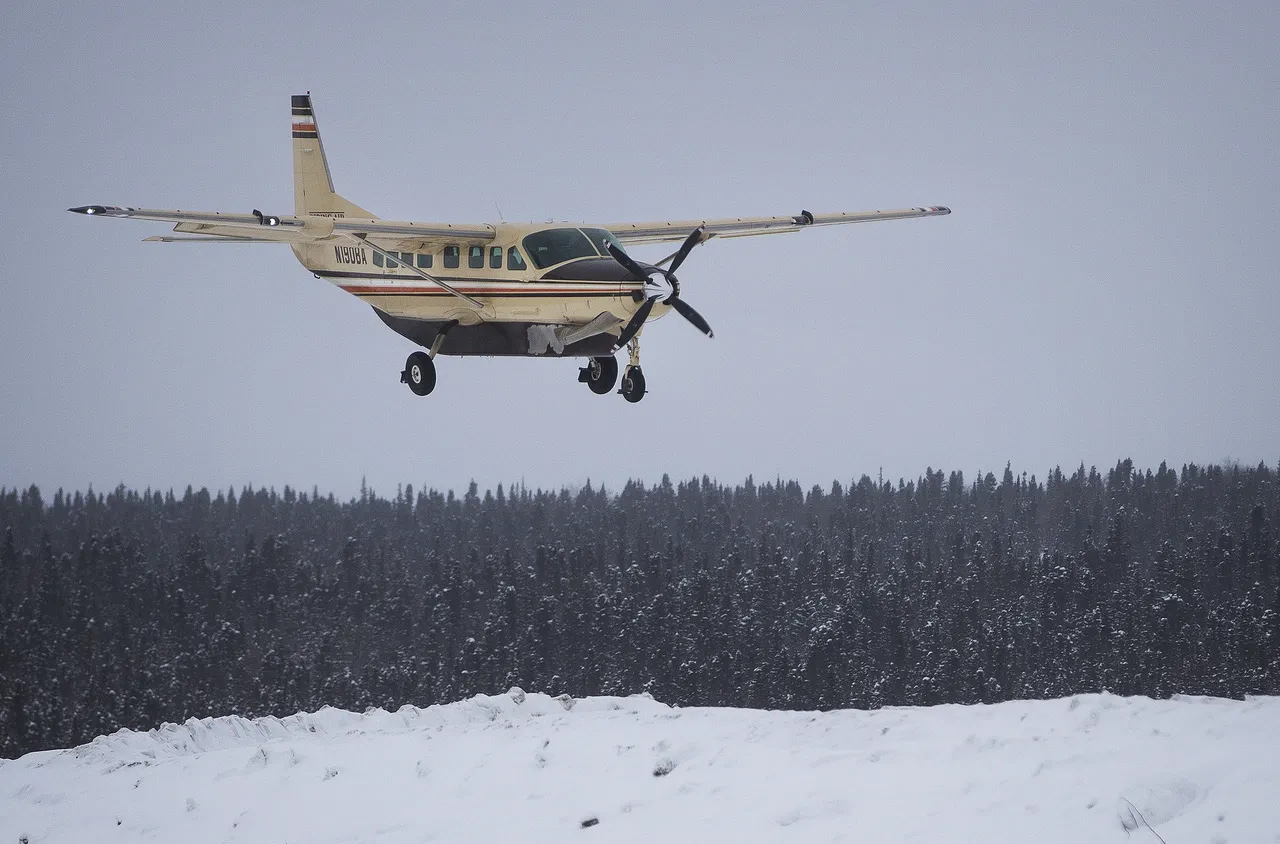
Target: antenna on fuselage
(501, 219)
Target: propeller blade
(627, 261)
(695, 237)
(686, 310)
(673, 299)
(636, 321)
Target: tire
(633, 384)
(420, 373)
(601, 374)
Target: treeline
(128, 609)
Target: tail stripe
(304, 124)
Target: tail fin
(312, 187)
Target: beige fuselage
(498, 273)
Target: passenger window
(495, 257)
(515, 261)
(391, 263)
(424, 261)
(475, 257)
(377, 259)
(451, 255)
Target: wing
(671, 230)
(214, 226)
(258, 227)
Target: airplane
(546, 290)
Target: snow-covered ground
(512, 768)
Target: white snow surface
(534, 768)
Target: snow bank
(201, 735)
(1094, 768)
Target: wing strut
(395, 257)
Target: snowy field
(511, 768)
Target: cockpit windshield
(555, 246)
(600, 237)
(551, 247)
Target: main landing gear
(419, 373)
(600, 374)
(420, 368)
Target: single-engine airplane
(553, 289)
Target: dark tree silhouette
(130, 608)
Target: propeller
(647, 271)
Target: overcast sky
(1106, 286)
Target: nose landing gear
(633, 384)
(633, 379)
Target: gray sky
(1106, 286)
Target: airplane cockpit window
(515, 261)
(599, 239)
(451, 255)
(554, 246)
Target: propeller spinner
(671, 298)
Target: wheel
(633, 384)
(419, 373)
(600, 374)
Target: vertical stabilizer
(312, 186)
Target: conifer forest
(132, 608)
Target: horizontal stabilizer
(290, 229)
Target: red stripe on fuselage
(482, 291)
